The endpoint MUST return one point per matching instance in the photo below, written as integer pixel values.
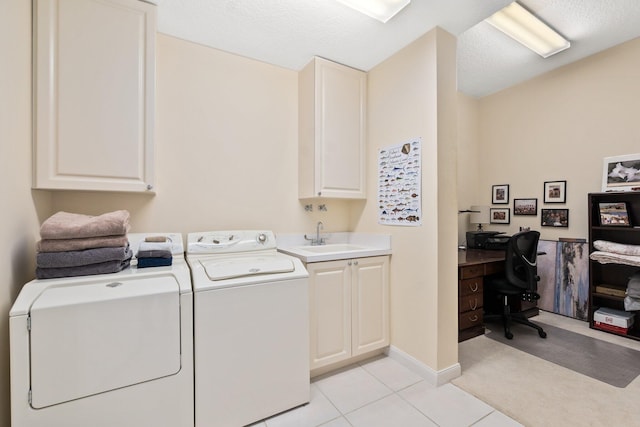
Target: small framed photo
(500, 194)
(555, 218)
(614, 214)
(525, 207)
(555, 191)
(621, 173)
(499, 215)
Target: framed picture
(525, 207)
(614, 214)
(500, 194)
(555, 218)
(499, 215)
(621, 173)
(555, 191)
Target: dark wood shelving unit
(613, 276)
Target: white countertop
(342, 245)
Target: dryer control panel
(232, 241)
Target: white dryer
(105, 350)
(251, 328)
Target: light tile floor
(384, 393)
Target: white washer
(251, 328)
(105, 350)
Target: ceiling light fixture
(382, 10)
(524, 27)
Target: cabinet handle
(473, 286)
(475, 304)
(149, 187)
(474, 318)
(355, 262)
(348, 262)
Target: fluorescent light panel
(382, 10)
(521, 25)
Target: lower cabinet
(349, 308)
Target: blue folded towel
(154, 262)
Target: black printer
(493, 240)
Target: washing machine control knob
(262, 238)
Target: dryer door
(100, 335)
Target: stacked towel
(82, 245)
(615, 253)
(154, 252)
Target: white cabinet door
(94, 84)
(330, 312)
(349, 308)
(370, 304)
(332, 131)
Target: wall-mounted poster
(399, 200)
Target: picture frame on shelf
(614, 214)
(500, 194)
(525, 207)
(499, 215)
(555, 192)
(621, 173)
(555, 218)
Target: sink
(332, 248)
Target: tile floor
(384, 393)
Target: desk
(473, 266)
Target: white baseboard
(436, 378)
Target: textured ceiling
(288, 33)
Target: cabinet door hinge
(29, 397)
(28, 323)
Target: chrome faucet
(318, 239)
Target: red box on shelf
(611, 328)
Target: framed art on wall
(555, 218)
(621, 173)
(500, 194)
(555, 191)
(525, 207)
(499, 215)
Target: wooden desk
(473, 265)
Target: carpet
(600, 360)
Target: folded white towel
(155, 246)
(613, 258)
(616, 248)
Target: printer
(494, 240)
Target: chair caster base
(508, 335)
(542, 334)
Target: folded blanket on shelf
(78, 258)
(613, 258)
(154, 254)
(65, 225)
(633, 286)
(154, 262)
(616, 248)
(63, 245)
(83, 270)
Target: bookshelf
(608, 282)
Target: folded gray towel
(63, 245)
(64, 225)
(84, 270)
(153, 254)
(78, 258)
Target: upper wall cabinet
(332, 114)
(94, 84)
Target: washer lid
(93, 337)
(221, 269)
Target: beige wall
(226, 149)
(19, 218)
(412, 94)
(559, 127)
(469, 193)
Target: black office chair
(520, 279)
